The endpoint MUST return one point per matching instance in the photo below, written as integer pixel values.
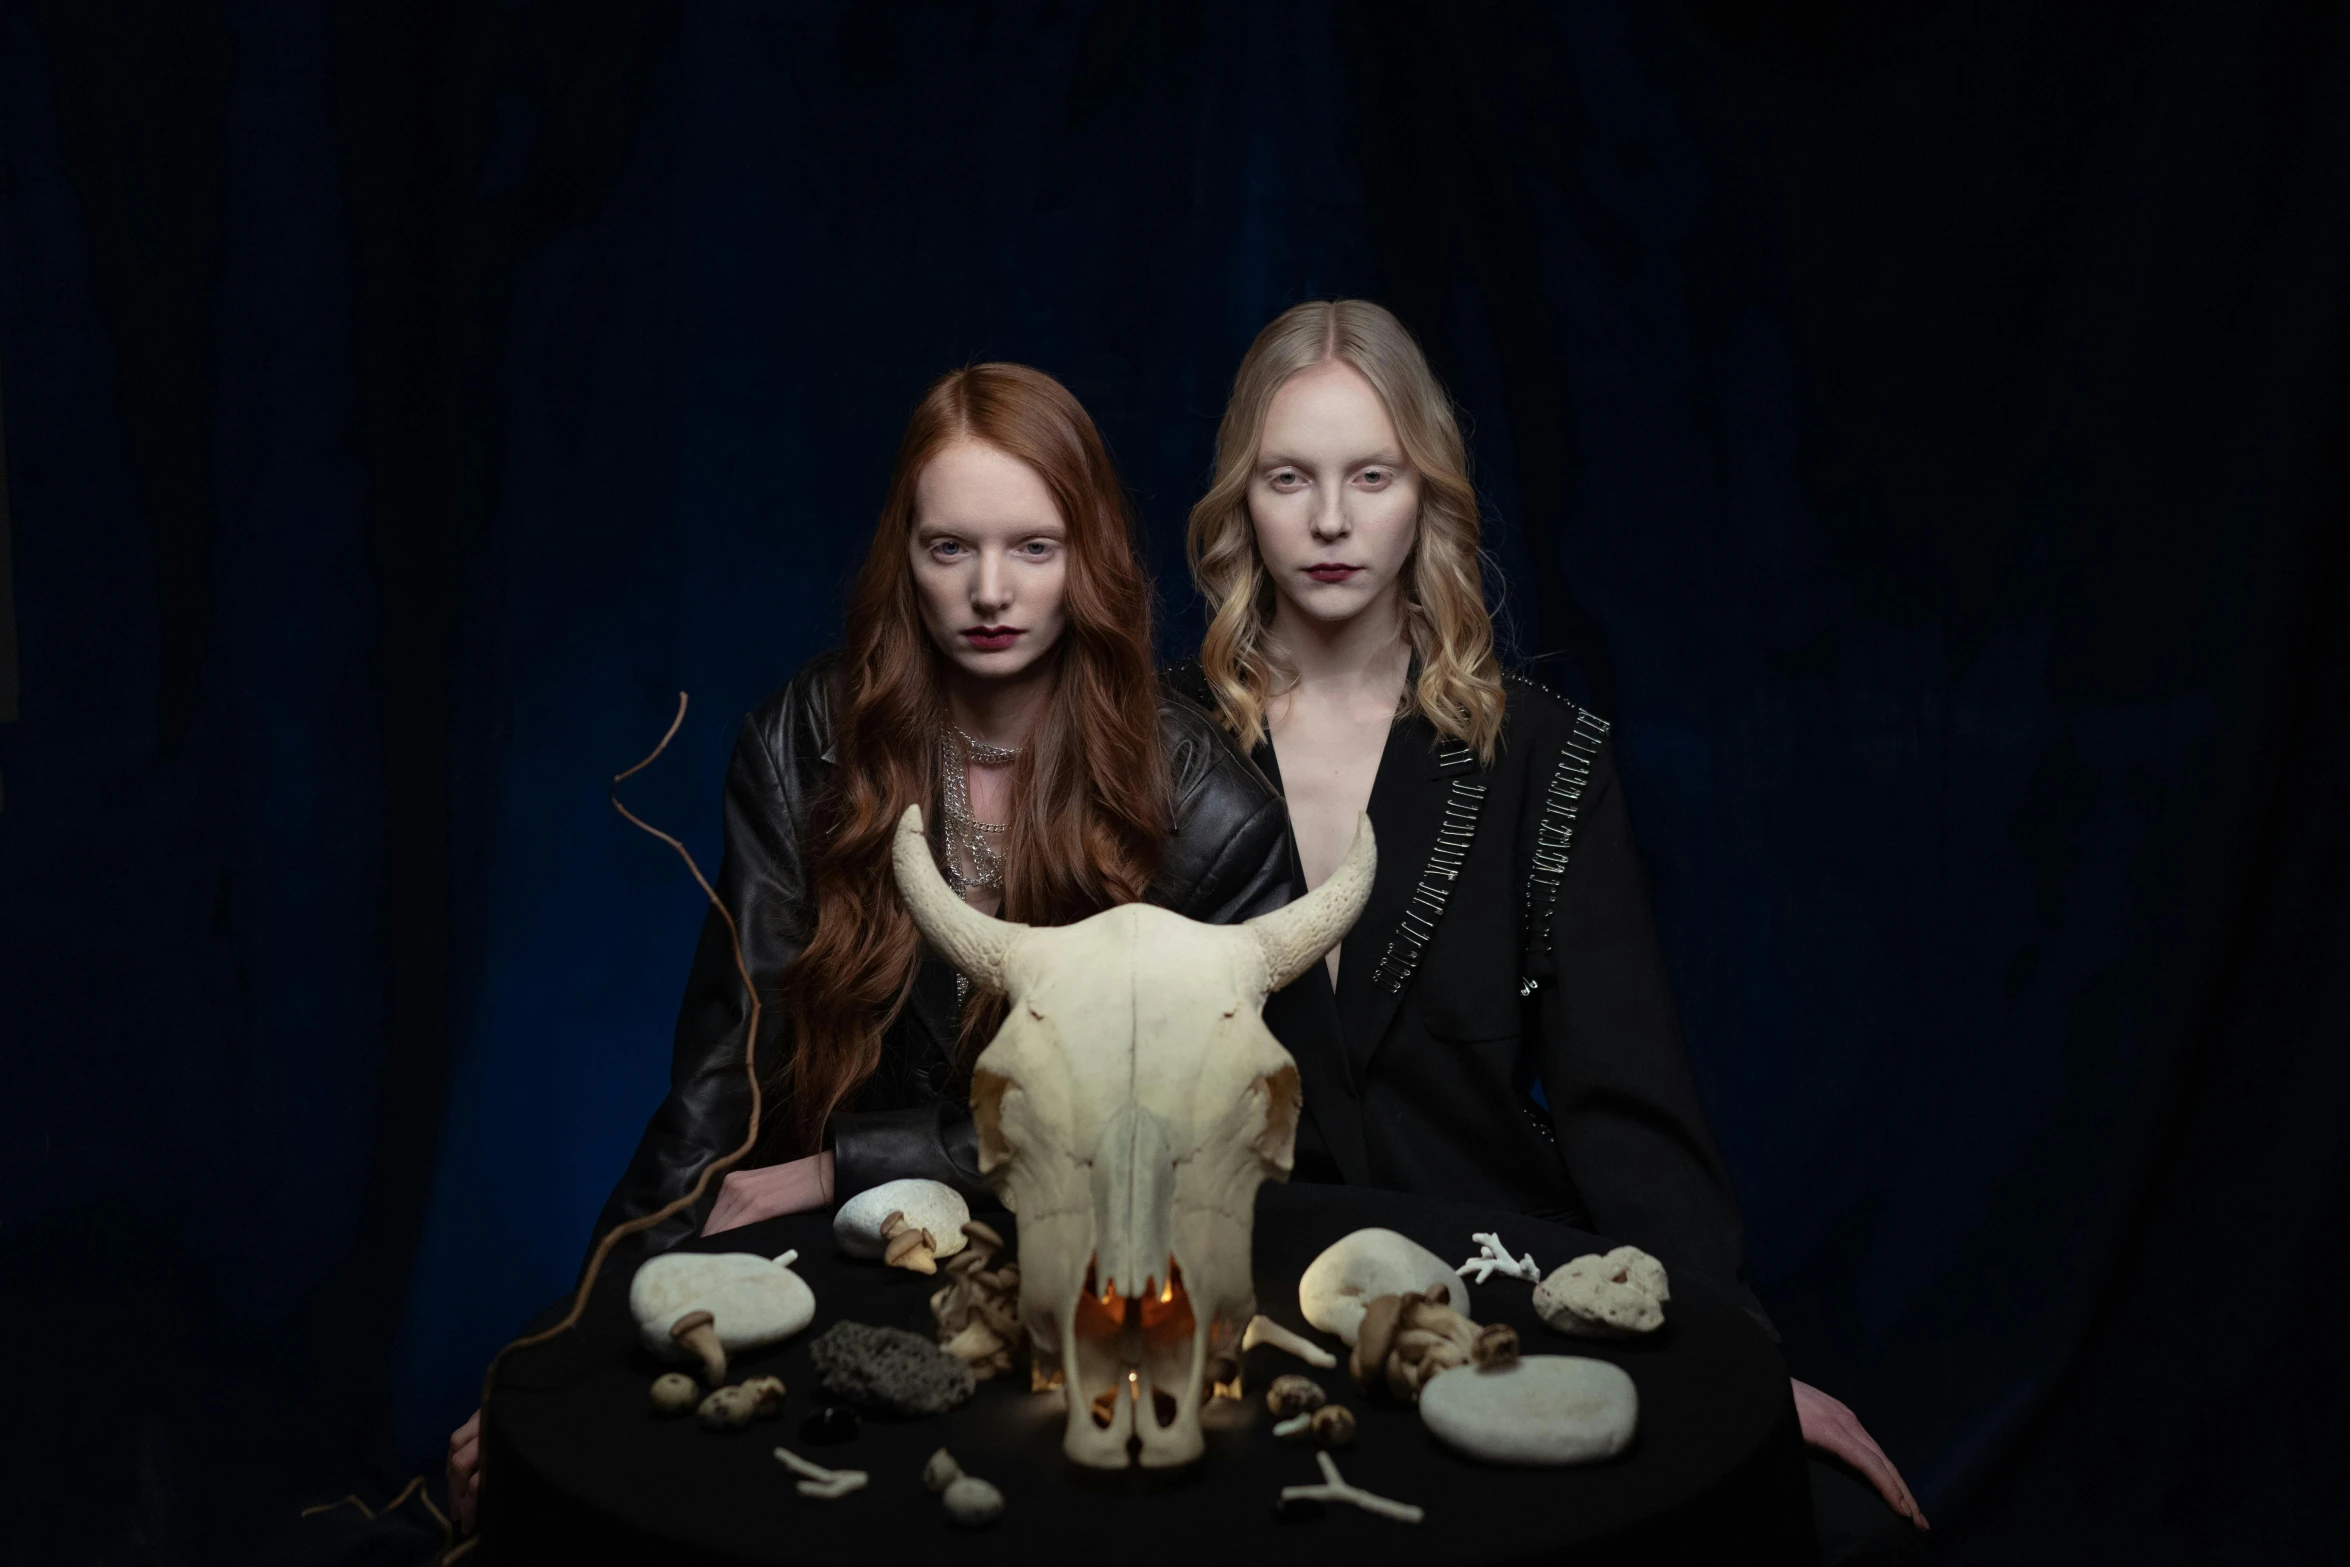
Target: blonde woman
(1497, 1027)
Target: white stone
(1128, 1109)
(1609, 1296)
(1359, 1268)
(972, 1502)
(756, 1301)
(1546, 1409)
(927, 1205)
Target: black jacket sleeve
(1630, 1126)
(762, 882)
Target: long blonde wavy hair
(1458, 689)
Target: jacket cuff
(932, 1142)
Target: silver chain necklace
(975, 855)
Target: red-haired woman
(997, 672)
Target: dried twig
(413, 1488)
(715, 1167)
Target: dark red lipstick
(990, 639)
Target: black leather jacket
(1227, 859)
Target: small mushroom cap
(982, 1234)
(729, 1409)
(690, 1321)
(940, 1472)
(675, 1393)
(912, 1250)
(1294, 1395)
(1496, 1346)
(1334, 1426)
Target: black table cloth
(578, 1468)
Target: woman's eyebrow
(1383, 458)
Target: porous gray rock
(889, 1368)
(1544, 1410)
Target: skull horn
(1293, 939)
(971, 941)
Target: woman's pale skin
(1335, 508)
(990, 559)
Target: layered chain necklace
(975, 849)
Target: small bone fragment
(1493, 1257)
(696, 1330)
(1264, 1330)
(832, 1490)
(972, 1502)
(941, 1472)
(907, 1245)
(766, 1394)
(675, 1393)
(729, 1409)
(1295, 1426)
(824, 1484)
(1335, 1489)
(1294, 1395)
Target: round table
(577, 1467)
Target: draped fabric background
(1919, 426)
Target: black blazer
(1479, 977)
(1228, 858)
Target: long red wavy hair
(1090, 810)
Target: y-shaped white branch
(1493, 1257)
(1337, 1490)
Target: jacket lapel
(1304, 1017)
(1425, 807)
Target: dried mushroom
(766, 1395)
(1406, 1339)
(1294, 1395)
(978, 1311)
(730, 1408)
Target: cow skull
(1128, 1109)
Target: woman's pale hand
(1832, 1428)
(465, 1472)
(747, 1196)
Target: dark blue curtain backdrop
(1918, 426)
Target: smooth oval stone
(973, 1502)
(755, 1301)
(830, 1426)
(1361, 1267)
(1546, 1409)
(927, 1205)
